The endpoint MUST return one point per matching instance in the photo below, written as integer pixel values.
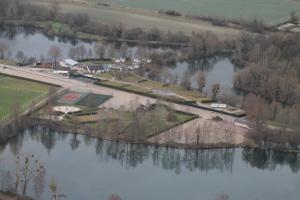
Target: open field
(271, 11)
(19, 91)
(132, 18)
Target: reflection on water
(34, 43)
(217, 70)
(88, 168)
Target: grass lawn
(13, 90)
(271, 11)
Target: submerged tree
(55, 53)
(27, 168)
(215, 89)
(201, 81)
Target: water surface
(87, 168)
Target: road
(126, 100)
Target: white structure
(218, 105)
(66, 109)
(70, 62)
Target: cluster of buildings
(69, 66)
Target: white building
(70, 62)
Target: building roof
(70, 62)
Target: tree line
(271, 74)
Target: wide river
(93, 169)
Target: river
(92, 169)
(34, 43)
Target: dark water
(94, 169)
(34, 43)
(217, 70)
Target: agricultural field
(271, 11)
(132, 18)
(18, 91)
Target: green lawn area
(13, 90)
(271, 11)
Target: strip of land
(234, 134)
(133, 18)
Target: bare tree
(27, 168)
(215, 89)
(201, 81)
(99, 49)
(186, 81)
(15, 114)
(55, 53)
(82, 51)
(39, 184)
(123, 50)
(3, 49)
(20, 57)
(72, 53)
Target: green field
(13, 90)
(271, 11)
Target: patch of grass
(114, 84)
(138, 89)
(13, 90)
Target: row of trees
(29, 172)
(19, 10)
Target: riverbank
(51, 28)
(161, 139)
